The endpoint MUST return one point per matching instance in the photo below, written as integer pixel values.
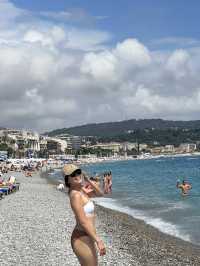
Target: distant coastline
(139, 157)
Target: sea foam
(160, 224)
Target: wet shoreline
(144, 243)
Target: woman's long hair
(67, 184)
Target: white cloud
(86, 40)
(101, 66)
(58, 75)
(63, 15)
(75, 15)
(132, 52)
(9, 12)
(178, 63)
(177, 41)
(110, 66)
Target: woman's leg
(106, 186)
(85, 250)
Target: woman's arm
(96, 189)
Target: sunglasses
(76, 173)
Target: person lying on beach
(3, 182)
(4, 170)
(84, 238)
(11, 179)
(185, 187)
(28, 173)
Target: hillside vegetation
(144, 130)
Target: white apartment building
(21, 139)
(169, 148)
(55, 145)
(114, 146)
(73, 142)
(188, 147)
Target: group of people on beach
(107, 182)
(30, 168)
(27, 167)
(5, 167)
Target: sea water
(146, 189)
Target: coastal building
(27, 143)
(188, 147)
(43, 147)
(169, 149)
(87, 156)
(156, 150)
(73, 142)
(113, 146)
(87, 141)
(21, 140)
(43, 143)
(143, 146)
(56, 146)
(128, 146)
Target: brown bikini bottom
(77, 233)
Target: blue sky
(146, 20)
(67, 63)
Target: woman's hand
(96, 189)
(86, 178)
(87, 189)
(101, 247)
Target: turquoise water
(146, 189)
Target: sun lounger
(15, 186)
(5, 189)
(8, 188)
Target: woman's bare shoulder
(75, 195)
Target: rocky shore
(36, 224)
(142, 244)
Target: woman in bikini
(107, 182)
(84, 239)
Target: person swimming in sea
(185, 187)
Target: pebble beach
(36, 225)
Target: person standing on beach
(107, 182)
(84, 236)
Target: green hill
(112, 129)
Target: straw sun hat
(68, 169)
